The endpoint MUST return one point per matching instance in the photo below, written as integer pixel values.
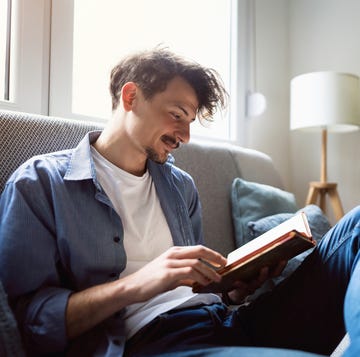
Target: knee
(355, 213)
(352, 218)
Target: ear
(128, 94)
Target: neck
(116, 147)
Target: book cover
(283, 242)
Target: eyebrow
(183, 110)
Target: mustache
(170, 141)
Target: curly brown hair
(152, 70)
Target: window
(24, 55)
(5, 34)
(56, 56)
(88, 38)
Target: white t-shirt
(146, 236)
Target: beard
(153, 155)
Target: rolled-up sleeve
(44, 327)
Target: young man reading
(100, 245)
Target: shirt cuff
(45, 324)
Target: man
(113, 238)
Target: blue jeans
(304, 313)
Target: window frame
(62, 56)
(29, 57)
(42, 55)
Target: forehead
(179, 92)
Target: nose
(183, 133)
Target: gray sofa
(212, 165)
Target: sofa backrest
(25, 135)
(212, 165)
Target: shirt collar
(81, 165)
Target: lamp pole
(319, 190)
(323, 173)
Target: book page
(298, 222)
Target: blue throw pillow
(319, 225)
(318, 222)
(252, 201)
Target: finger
(187, 282)
(240, 290)
(278, 269)
(208, 255)
(195, 266)
(187, 276)
(239, 284)
(247, 288)
(198, 252)
(263, 275)
(260, 280)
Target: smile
(172, 143)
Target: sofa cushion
(252, 201)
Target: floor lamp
(329, 102)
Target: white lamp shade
(325, 100)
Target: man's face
(163, 122)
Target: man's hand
(175, 267)
(242, 289)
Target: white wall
(324, 35)
(295, 37)
(270, 131)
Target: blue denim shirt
(59, 233)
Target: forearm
(88, 308)
(176, 267)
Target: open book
(282, 242)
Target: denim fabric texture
(199, 331)
(303, 313)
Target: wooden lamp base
(319, 190)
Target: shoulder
(185, 184)
(180, 174)
(181, 179)
(41, 169)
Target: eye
(176, 116)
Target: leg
(352, 313)
(336, 203)
(198, 331)
(306, 311)
(312, 195)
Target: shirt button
(116, 239)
